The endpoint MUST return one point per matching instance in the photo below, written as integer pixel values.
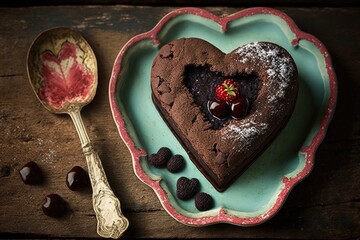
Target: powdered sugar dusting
(270, 72)
(275, 68)
(245, 132)
(278, 67)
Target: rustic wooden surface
(232, 3)
(324, 206)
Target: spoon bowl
(62, 70)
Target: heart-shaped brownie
(184, 76)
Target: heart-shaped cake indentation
(184, 76)
(201, 79)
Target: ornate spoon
(62, 70)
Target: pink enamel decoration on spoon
(61, 75)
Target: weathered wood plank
(233, 3)
(324, 206)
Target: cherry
(31, 173)
(77, 178)
(219, 109)
(54, 205)
(239, 107)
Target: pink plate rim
(309, 151)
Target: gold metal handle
(111, 223)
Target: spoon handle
(110, 220)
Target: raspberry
(203, 201)
(176, 164)
(227, 91)
(187, 188)
(154, 161)
(164, 154)
(161, 158)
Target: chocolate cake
(184, 75)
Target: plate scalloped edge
(309, 150)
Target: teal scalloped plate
(259, 193)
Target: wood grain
(229, 3)
(324, 206)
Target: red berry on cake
(227, 91)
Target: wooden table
(324, 206)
